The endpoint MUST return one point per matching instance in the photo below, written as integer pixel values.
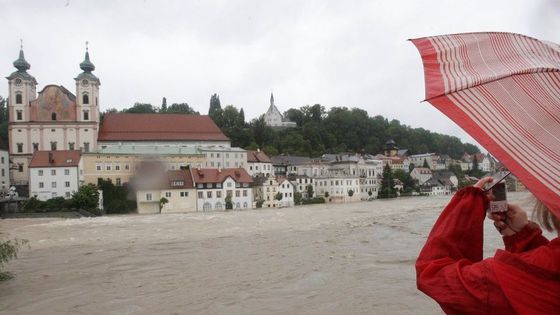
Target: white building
(55, 119)
(4, 169)
(286, 188)
(274, 118)
(214, 185)
(421, 174)
(258, 163)
(301, 182)
(418, 160)
(223, 156)
(55, 174)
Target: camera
(499, 204)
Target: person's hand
(510, 222)
(483, 181)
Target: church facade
(52, 119)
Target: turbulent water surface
(324, 259)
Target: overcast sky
(335, 53)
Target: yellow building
(118, 163)
(175, 189)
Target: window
(149, 196)
(86, 146)
(41, 185)
(167, 194)
(200, 195)
(209, 194)
(66, 184)
(19, 98)
(219, 185)
(53, 184)
(67, 194)
(53, 145)
(108, 167)
(184, 194)
(245, 204)
(53, 172)
(86, 115)
(85, 99)
(237, 193)
(98, 166)
(20, 168)
(126, 166)
(53, 116)
(19, 114)
(244, 192)
(117, 167)
(118, 181)
(177, 183)
(20, 147)
(70, 145)
(40, 172)
(3, 172)
(219, 194)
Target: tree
(8, 251)
(115, 198)
(426, 165)
(215, 111)
(181, 108)
(309, 190)
(297, 198)
(140, 108)
(163, 106)
(387, 190)
(350, 193)
(86, 198)
(408, 182)
(229, 204)
(279, 196)
(162, 202)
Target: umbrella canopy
(504, 90)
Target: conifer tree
(387, 190)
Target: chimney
(51, 158)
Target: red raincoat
(524, 278)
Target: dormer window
(19, 98)
(85, 99)
(53, 116)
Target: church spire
(21, 64)
(271, 99)
(87, 65)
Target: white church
(274, 118)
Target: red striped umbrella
(504, 90)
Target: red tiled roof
(211, 175)
(163, 127)
(179, 179)
(63, 158)
(257, 157)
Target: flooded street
(322, 259)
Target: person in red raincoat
(522, 279)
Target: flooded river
(323, 259)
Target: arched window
(237, 205)
(218, 205)
(245, 204)
(85, 99)
(207, 206)
(53, 116)
(19, 98)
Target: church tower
(87, 92)
(22, 90)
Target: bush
(313, 200)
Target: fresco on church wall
(54, 99)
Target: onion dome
(21, 64)
(87, 65)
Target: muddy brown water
(322, 259)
